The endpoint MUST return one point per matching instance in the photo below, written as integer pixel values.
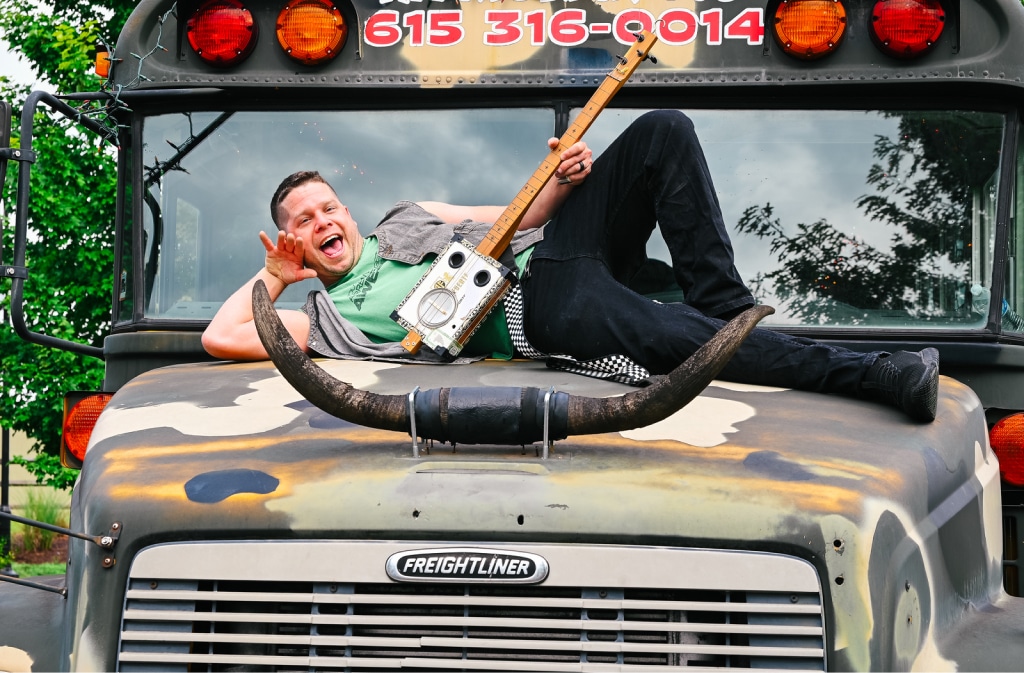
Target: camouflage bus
(869, 161)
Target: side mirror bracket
(17, 271)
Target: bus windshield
(839, 218)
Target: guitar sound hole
(437, 306)
(481, 278)
(456, 260)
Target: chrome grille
(270, 624)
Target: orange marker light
(311, 31)
(222, 32)
(809, 29)
(102, 64)
(1007, 439)
(906, 28)
(79, 421)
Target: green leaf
(71, 216)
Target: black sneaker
(909, 381)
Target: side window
(1013, 303)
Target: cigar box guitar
(464, 283)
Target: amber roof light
(809, 29)
(311, 31)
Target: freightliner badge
(467, 564)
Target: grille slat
(670, 621)
(619, 647)
(469, 643)
(413, 663)
(520, 602)
(442, 621)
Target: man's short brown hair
(290, 183)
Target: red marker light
(1007, 439)
(907, 28)
(79, 421)
(222, 32)
(809, 29)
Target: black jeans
(574, 290)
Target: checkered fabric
(618, 368)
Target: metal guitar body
(454, 296)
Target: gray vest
(407, 233)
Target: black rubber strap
(506, 416)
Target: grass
(48, 507)
(32, 553)
(37, 569)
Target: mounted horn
(454, 421)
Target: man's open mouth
(332, 246)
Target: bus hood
(213, 443)
(209, 448)
(231, 451)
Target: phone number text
(565, 28)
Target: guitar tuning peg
(652, 59)
(639, 37)
(622, 59)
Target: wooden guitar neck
(462, 285)
(500, 235)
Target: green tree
(69, 253)
(923, 184)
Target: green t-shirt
(376, 286)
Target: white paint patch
(87, 655)
(258, 411)
(746, 387)
(931, 659)
(703, 422)
(357, 373)
(261, 410)
(13, 659)
(987, 470)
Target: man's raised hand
(286, 259)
